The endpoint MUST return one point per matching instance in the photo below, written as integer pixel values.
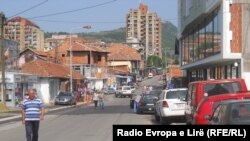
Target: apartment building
(25, 32)
(146, 27)
(211, 39)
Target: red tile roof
(48, 69)
(121, 52)
(27, 22)
(37, 52)
(123, 69)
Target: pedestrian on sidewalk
(95, 99)
(32, 112)
(101, 99)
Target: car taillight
(164, 104)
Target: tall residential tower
(145, 27)
(25, 32)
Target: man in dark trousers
(32, 112)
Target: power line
(95, 22)
(75, 10)
(29, 9)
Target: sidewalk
(14, 113)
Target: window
(222, 88)
(221, 115)
(176, 94)
(99, 58)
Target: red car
(199, 90)
(209, 104)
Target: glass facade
(225, 71)
(204, 40)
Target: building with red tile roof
(49, 69)
(51, 78)
(122, 54)
(89, 60)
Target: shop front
(16, 85)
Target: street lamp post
(71, 55)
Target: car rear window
(176, 94)
(64, 94)
(126, 88)
(149, 97)
(222, 88)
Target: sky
(70, 15)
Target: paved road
(83, 123)
(78, 124)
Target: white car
(150, 75)
(124, 91)
(171, 105)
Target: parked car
(124, 91)
(65, 98)
(235, 112)
(150, 75)
(109, 90)
(171, 105)
(138, 78)
(147, 102)
(208, 105)
(200, 89)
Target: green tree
(154, 61)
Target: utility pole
(3, 91)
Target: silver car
(65, 98)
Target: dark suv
(147, 102)
(66, 98)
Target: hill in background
(119, 36)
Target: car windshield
(176, 94)
(222, 88)
(64, 94)
(126, 88)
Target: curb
(12, 118)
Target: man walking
(101, 98)
(32, 112)
(136, 102)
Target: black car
(147, 102)
(65, 98)
(231, 112)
